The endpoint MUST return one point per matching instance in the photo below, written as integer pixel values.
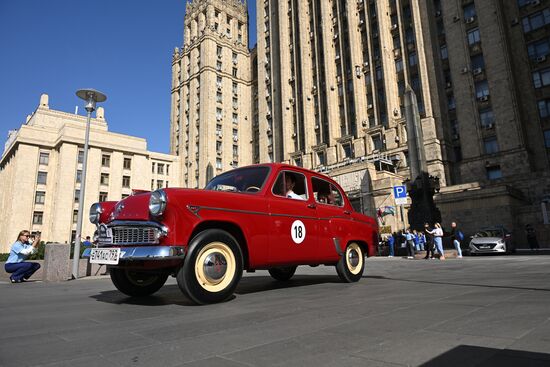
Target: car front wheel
(212, 268)
(283, 273)
(351, 265)
(137, 283)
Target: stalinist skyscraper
(211, 91)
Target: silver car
(491, 240)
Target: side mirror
(471, 237)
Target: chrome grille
(135, 235)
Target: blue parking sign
(399, 192)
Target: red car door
(293, 222)
(334, 218)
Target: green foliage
(4, 257)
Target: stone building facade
(326, 82)
(41, 168)
(211, 91)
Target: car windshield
(248, 180)
(489, 233)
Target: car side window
(325, 192)
(291, 185)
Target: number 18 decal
(298, 231)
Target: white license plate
(109, 256)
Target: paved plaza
(479, 311)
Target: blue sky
(122, 48)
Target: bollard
(56, 262)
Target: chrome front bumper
(147, 253)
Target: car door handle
(311, 206)
(347, 212)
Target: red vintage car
(266, 216)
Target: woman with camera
(20, 269)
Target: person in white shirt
(290, 182)
(437, 232)
(16, 265)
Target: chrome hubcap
(353, 258)
(215, 266)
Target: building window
(218, 146)
(37, 217)
(76, 196)
(474, 37)
(399, 65)
(127, 163)
(444, 52)
(538, 49)
(75, 216)
(103, 196)
(105, 160)
(234, 57)
(494, 172)
(42, 178)
(104, 179)
(235, 151)
(39, 197)
(219, 65)
(347, 150)
(377, 142)
(160, 169)
(469, 11)
(44, 158)
(152, 185)
(413, 59)
(235, 118)
(547, 138)
(219, 51)
(486, 117)
(153, 167)
(490, 145)
(159, 184)
(234, 72)
(541, 78)
(125, 181)
(235, 102)
(124, 196)
(218, 163)
(482, 89)
(80, 156)
(219, 97)
(321, 158)
(78, 176)
(536, 21)
(167, 169)
(477, 62)
(218, 81)
(544, 108)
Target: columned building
(324, 87)
(41, 172)
(212, 91)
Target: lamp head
(91, 96)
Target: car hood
(482, 240)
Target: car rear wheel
(351, 265)
(137, 283)
(212, 268)
(283, 273)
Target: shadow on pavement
(467, 355)
(171, 294)
(460, 284)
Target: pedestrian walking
(409, 239)
(16, 265)
(457, 237)
(391, 242)
(531, 237)
(429, 242)
(437, 232)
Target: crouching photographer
(16, 265)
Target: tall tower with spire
(210, 121)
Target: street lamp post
(91, 96)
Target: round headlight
(157, 203)
(95, 213)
